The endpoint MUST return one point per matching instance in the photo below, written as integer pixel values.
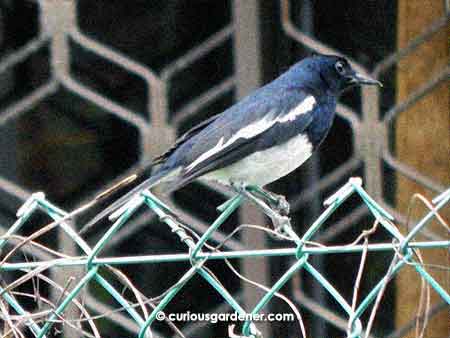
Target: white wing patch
(207, 154)
(304, 107)
(257, 128)
(246, 132)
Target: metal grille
(157, 126)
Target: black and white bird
(263, 137)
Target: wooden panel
(422, 141)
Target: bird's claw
(279, 225)
(280, 205)
(239, 187)
(273, 205)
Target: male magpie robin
(262, 138)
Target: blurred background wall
(92, 90)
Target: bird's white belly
(266, 166)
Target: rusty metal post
(248, 66)
(57, 19)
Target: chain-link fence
(85, 68)
(402, 248)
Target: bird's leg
(275, 201)
(259, 197)
(248, 192)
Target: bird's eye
(339, 67)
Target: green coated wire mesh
(144, 311)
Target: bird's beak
(359, 79)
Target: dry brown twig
(424, 301)
(9, 326)
(42, 316)
(64, 291)
(70, 215)
(380, 294)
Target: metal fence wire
(372, 134)
(402, 248)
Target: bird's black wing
(243, 147)
(183, 138)
(221, 160)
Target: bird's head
(332, 72)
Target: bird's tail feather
(148, 183)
